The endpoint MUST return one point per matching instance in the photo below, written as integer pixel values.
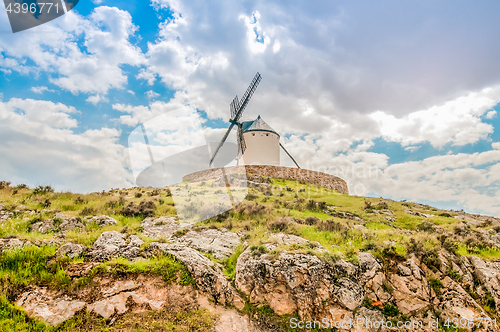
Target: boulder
(113, 244)
(102, 220)
(43, 226)
(207, 275)
(13, 244)
(70, 250)
(5, 215)
(288, 239)
(221, 244)
(70, 224)
(162, 227)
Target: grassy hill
(344, 225)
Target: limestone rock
(489, 275)
(5, 215)
(71, 224)
(288, 239)
(70, 249)
(13, 244)
(404, 271)
(102, 220)
(365, 316)
(113, 244)
(220, 244)
(207, 275)
(368, 267)
(53, 309)
(162, 227)
(43, 226)
(297, 282)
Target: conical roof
(257, 125)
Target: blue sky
(409, 89)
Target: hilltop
(122, 261)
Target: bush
(145, 209)
(312, 205)
(4, 184)
(426, 226)
(79, 200)
(138, 195)
(436, 285)
(332, 226)
(278, 225)
(43, 190)
(312, 221)
(445, 214)
(87, 211)
(46, 203)
(251, 209)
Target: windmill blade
(220, 144)
(242, 146)
(246, 97)
(235, 104)
(289, 155)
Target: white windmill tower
(258, 143)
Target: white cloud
(39, 146)
(491, 114)
(97, 2)
(457, 121)
(95, 68)
(141, 114)
(97, 99)
(496, 145)
(151, 94)
(40, 89)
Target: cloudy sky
(398, 98)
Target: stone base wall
(320, 179)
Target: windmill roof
(257, 125)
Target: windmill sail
(241, 141)
(237, 108)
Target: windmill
(237, 107)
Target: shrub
(329, 257)
(46, 203)
(138, 195)
(445, 214)
(332, 226)
(79, 200)
(258, 250)
(278, 225)
(426, 226)
(450, 245)
(251, 209)
(312, 205)
(312, 221)
(436, 285)
(43, 190)
(87, 211)
(4, 184)
(144, 209)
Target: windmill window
(253, 134)
(267, 134)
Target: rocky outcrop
(207, 275)
(298, 283)
(220, 243)
(70, 250)
(71, 224)
(43, 226)
(113, 244)
(48, 306)
(162, 227)
(101, 220)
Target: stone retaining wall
(320, 179)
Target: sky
(400, 99)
